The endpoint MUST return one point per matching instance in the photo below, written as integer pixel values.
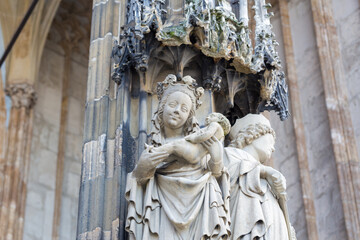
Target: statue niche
(186, 185)
(178, 186)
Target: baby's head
(220, 119)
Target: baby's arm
(204, 134)
(216, 167)
(182, 150)
(215, 149)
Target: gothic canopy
(212, 41)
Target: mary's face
(264, 146)
(177, 109)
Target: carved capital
(22, 95)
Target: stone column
(102, 186)
(3, 131)
(16, 164)
(61, 145)
(341, 128)
(22, 66)
(297, 118)
(244, 15)
(72, 37)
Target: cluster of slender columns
(101, 198)
(342, 133)
(341, 127)
(302, 155)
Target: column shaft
(61, 146)
(342, 132)
(297, 118)
(3, 131)
(17, 158)
(103, 174)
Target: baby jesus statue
(194, 146)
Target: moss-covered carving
(212, 27)
(214, 30)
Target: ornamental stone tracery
(245, 78)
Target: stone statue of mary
(178, 197)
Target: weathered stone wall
(329, 213)
(347, 20)
(42, 174)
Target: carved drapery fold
(118, 113)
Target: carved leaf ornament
(221, 41)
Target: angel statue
(258, 192)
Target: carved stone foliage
(213, 29)
(22, 95)
(244, 79)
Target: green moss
(174, 33)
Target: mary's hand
(216, 151)
(147, 164)
(275, 179)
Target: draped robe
(181, 201)
(255, 212)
